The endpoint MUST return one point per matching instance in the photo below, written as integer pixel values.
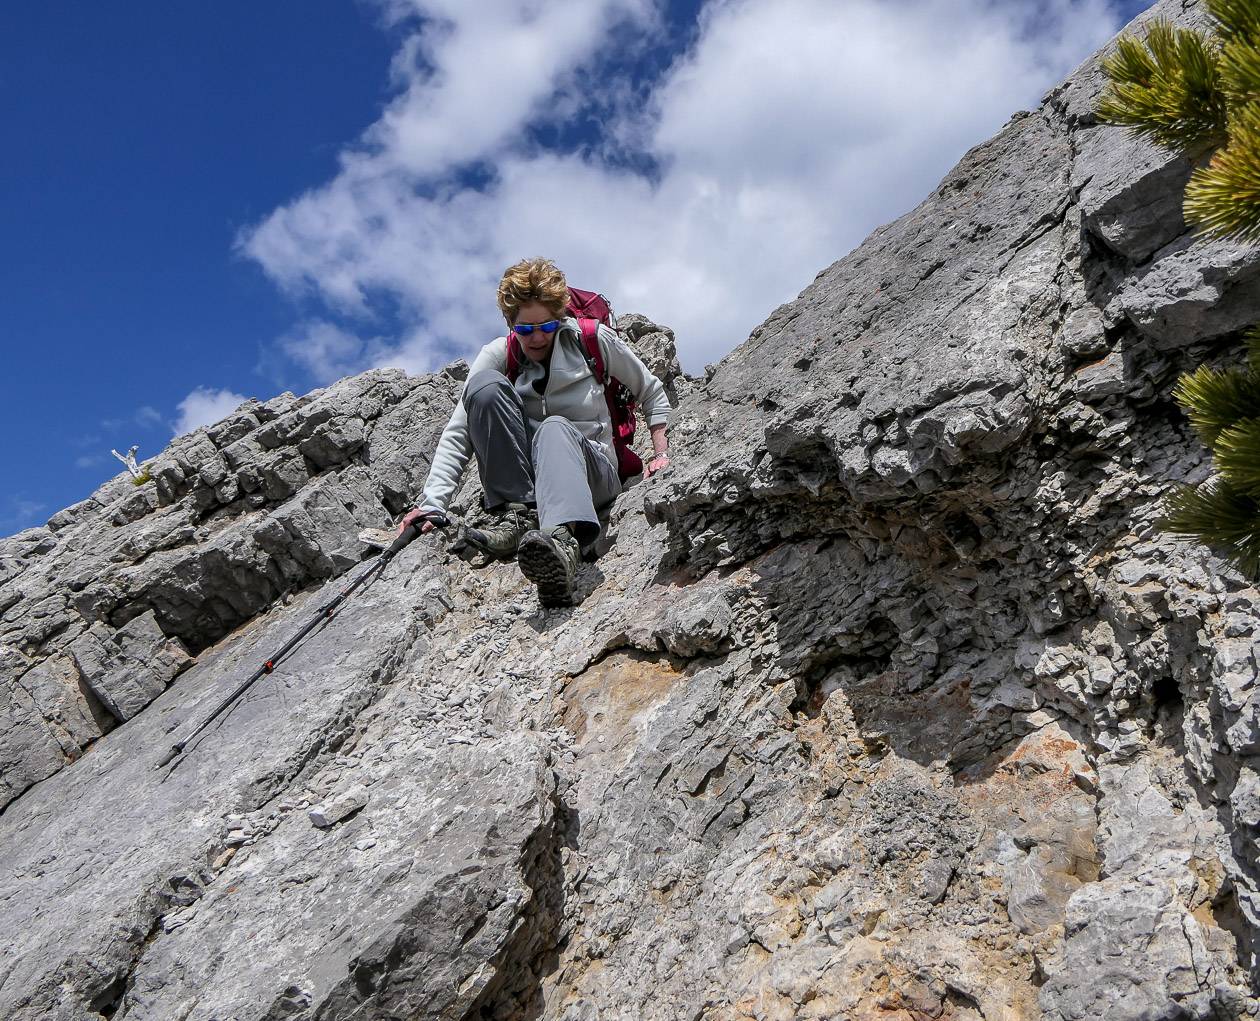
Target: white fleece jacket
(572, 392)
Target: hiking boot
(550, 562)
(501, 538)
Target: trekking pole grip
(410, 533)
(406, 536)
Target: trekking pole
(324, 613)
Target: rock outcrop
(889, 700)
(101, 607)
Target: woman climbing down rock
(537, 412)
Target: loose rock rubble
(888, 701)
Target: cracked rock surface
(888, 700)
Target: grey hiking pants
(548, 464)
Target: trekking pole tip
(166, 759)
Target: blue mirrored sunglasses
(525, 329)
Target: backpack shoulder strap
(513, 356)
(590, 344)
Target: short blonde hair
(532, 280)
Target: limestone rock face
(888, 701)
(99, 608)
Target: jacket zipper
(546, 413)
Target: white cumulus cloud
(474, 74)
(785, 133)
(18, 511)
(205, 406)
(147, 415)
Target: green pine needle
(1223, 198)
(1221, 517)
(1237, 456)
(1252, 337)
(1235, 18)
(1239, 67)
(1167, 87)
(1132, 62)
(1215, 400)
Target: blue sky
(204, 201)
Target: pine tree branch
(1234, 18)
(1214, 400)
(1223, 198)
(1252, 338)
(1237, 456)
(1219, 516)
(1166, 87)
(1239, 67)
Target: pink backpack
(591, 309)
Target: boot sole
(543, 566)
